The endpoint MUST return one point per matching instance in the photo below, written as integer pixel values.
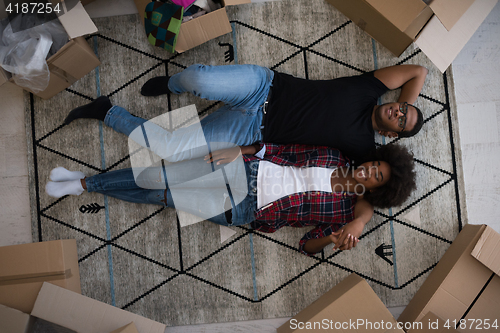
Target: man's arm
(410, 78)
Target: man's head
(397, 119)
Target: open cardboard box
(86, 315)
(201, 29)
(24, 268)
(464, 284)
(441, 28)
(74, 60)
(348, 307)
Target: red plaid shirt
(325, 210)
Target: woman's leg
(121, 184)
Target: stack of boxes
(462, 294)
(440, 28)
(42, 280)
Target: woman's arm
(363, 212)
(230, 154)
(250, 150)
(346, 237)
(315, 245)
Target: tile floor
(477, 86)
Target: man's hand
(224, 155)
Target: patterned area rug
(138, 258)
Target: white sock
(61, 174)
(59, 189)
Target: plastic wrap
(24, 53)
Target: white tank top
(276, 181)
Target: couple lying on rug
(287, 184)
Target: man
(264, 105)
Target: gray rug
(138, 258)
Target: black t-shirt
(335, 113)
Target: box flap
(76, 21)
(84, 314)
(375, 24)
(203, 29)
(45, 259)
(441, 45)
(14, 321)
(460, 248)
(450, 11)
(487, 250)
(236, 2)
(4, 76)
(141, 8)
(350, 301)
(401, 13)
(130, 328)
(486, 307)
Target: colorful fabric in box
(183, 3)
(162, 22)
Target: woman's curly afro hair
(402, 180)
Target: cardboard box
(463, 285)
(74, 60)
(86, 315)
(130, 328)
(14, 321)
(348, 307)
(441, 29)
(431, 323)
(24, 268)
(201, 29)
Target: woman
(288, 185)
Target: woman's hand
(347, 236)
(227, 155)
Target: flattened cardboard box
(74, 60)
(24, 268)
(199, 30)
(14, 321)
(441, 29)
(86, 315)
(461, 286)
(348, 307)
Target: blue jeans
(121, 184)
(242, 88)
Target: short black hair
(417, 127)
(402, 180)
